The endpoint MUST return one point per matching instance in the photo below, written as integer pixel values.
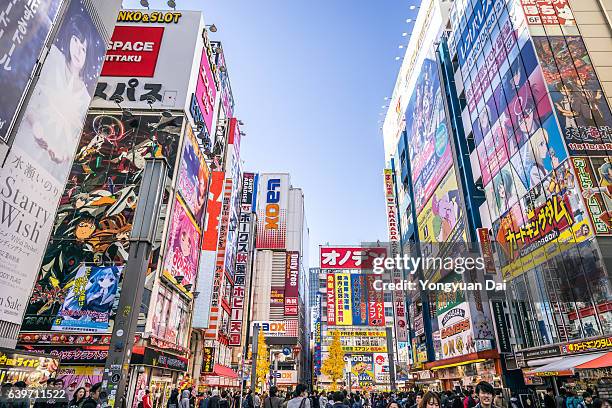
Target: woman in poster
(183, 259)
(54, 117)
(503, 185)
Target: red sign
(331, 300)
(487, 250)
(133, 51)
(548, 12)
(350, 257)
(376, 307)
(292, 276)
(213, 212)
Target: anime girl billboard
(90, 300)
(182, 248)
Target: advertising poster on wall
(330, 296)
(581, 107)
(430, 151)
(75, 377)
(35, 371)
(362, 369)
(39, 161)
(456, 331)
(548, 12)
(182, 252)
(25, 28)
(133, 51)
(273, 195)
(206, 91)
(381, 367)
(594, 176)
(277, 296)
(376, 306)
(292, 278)
(90, 300)
(344, 314)
(359, 300)
(193, 177)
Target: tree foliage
(263, 361)
(333, 365)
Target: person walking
(549, 399)
(185, 396)
(78, 398)
(484, 392)
(273, 401)
(173, 401)
(93, 401)
(299, 399)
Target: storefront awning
(566, 365)
(599, 362)
(223, 371)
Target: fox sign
(272, 212)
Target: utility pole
(391, 359)
(144, 227)
(254, 358)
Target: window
(387, 297)
(389, 311)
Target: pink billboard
(183, 245)
(206, 92)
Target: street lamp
(212, 28)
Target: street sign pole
(391, 359)
(254, 358)
(114, 379)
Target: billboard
(273, 194)
(594, 177)
(330, 287)
(141, 70)
(25, 29)
(277, 296)
(376, 306)
(548, 12)
(344, 314)
(332, 257)
(292, 279)
(362, 368)
(35, 170)
(182, 245)
(133, 51)
(205, 91)
(213, 212)
(89, 302)
(193, 177)
(381, 367)
(94, 219)
(456, 331)
(359, 301)
(277, 328)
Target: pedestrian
(484, 392)
(393, 404)
(602, 403)
(185, 396)
(299, 399)
(358, 402)
(549, 399)
(256, 400)
(173, 401)
(572, 400)
(470, 398)
(237, 399)
(192, 399)
(338, 400)
(417, 400)
(498, 401)
(587, 401)
(323, 400)
(273, 401)
(560, 399)
(223, 401)
(78, 398)
(146, 400)
(214, 399)
(93, 401)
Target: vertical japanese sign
(24, 26)
(318, 336)
(243, 251)
(331, 299)
(359, 302)
(399, 308)
(486, 247)
(344, 315)
(208, 360)
(376, 308)
(292, 271)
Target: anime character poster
(182, 249)
(193, 177)
(579, 102)
(89, 301)
(430, 150)
(94, 218)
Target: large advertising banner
(359, 300)
(35, 171)
(75, 377)
(381, 367)
(206, 91)
(213, 212)
(331, 299)
(182, 245)
(548, 12)
(456, 331)
(25, 27)
(594, 176)
(89, 302)
(292, 279)
(344, 314)
(376, 306)
(94, 218)
(143, 59)
(273, 195)
(362, 369)
(427, 136)
(193, 177)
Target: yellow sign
(597, 344)
(365, 349)
(360, 333)
(137, 16)
(344, 311)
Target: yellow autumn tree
(263, 361)
(333, 366)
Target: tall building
(519, 113)
(41, 118)
(279, 297)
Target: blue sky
(309, 79)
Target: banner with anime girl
(182, 247)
